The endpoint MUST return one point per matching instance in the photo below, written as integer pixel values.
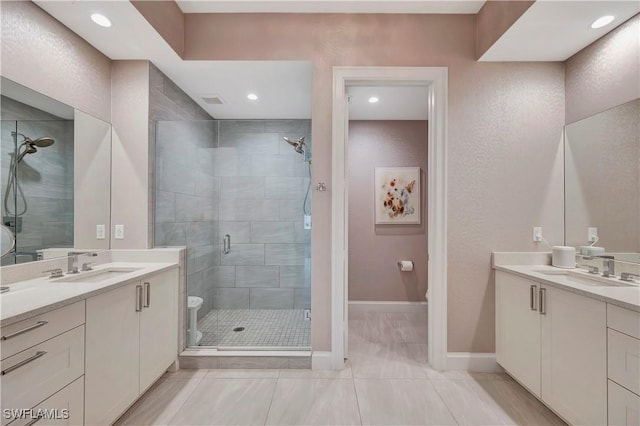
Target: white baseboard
(402, 307)
(321, 360)
(470, 361)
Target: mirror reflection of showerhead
(31, 145)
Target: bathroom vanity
(85, 346)
(572, 339)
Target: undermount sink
(583, 277)
(596, 280)
(97, 276)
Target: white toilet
(193, 335)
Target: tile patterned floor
(262, 327)
(387, 381)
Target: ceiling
(550, 30)
(394, 103)
(330, 6)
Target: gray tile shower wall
(236, 177)
(46, 177)
(263, 182)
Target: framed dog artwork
(397, 195)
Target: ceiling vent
(213, 99)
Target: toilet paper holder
(405, 265)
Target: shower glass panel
(237, 194)
(37, 182)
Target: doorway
(434, 80)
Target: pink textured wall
(44, 55)
(495, 18)
(605, 73)
(504, 143)
(130, 153)
(374, 250)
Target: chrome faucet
(608, 265)
(72, 261)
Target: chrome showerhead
(41, 142)
(297, 144)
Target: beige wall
(167, 19)
(504, 142)
(495, 18)
(374, 250)
(44, 55)
(605, 73)
(130, 153)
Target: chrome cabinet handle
(24, 330)
(138, 298)
(226, 244)
(147, 295)
(532, 297)
(543, 301)
(23, 363)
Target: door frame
(436, 80)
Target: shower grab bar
(226, 244)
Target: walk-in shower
(236, 195)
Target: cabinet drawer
(24, 334)
(624, 406)
(623, 361)
(623, 320)
(46, 368)
(64, 408)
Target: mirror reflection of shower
(28, 146)
(301, 147)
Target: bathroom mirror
(602, 181)
(56, 164)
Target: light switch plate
(592, 234)
(119, 232)
(307, 221)
(537, 233)
(100, 232)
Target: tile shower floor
(387, 381)
(262, 327)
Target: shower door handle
(226, 244)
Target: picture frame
(397, 196)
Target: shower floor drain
(238, 329)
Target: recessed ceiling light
(101, 20)
(252, 96)
(373, 100)
(602, 21)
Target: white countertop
(624, 296)
(26, 299)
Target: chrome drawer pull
(543, 301)
(24, 330)
(532, 298)
(23, 363)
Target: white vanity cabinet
(131, 340)
(558, 350)
(42, 356)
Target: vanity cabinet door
(158, 326)
(574, 353)
(112, 354)
(518, 329)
